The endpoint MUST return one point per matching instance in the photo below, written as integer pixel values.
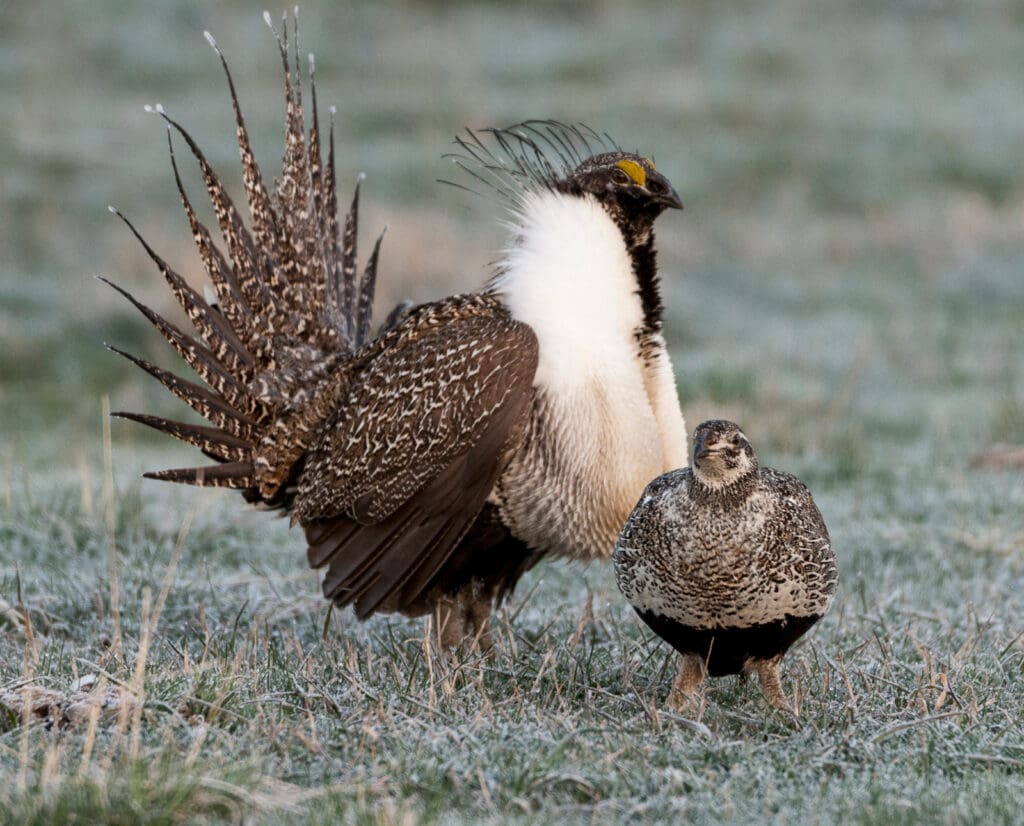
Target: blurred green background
(848, 272)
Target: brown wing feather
(391, 564)
(472, 483)
(393, 509)
(414, 408)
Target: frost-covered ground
(847, 282)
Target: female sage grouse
(432, 465)
(727, 562)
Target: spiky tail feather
(291, 307)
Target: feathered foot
(477, 620)
(771, 686)
(449, 623)
(685, 693)
(463, 620)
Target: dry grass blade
(110, 519)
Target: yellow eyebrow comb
(634, 170)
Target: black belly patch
(726, 649)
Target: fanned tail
(291, 307)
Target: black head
(722, 454)
(628, 186)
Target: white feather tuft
(269, 20)
(111, 209)
(211, 41)
(361, 177)
(568, 275)
(149, 108)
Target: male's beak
(667, 197)
(670, 199)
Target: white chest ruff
(568, 275)
(595, 440)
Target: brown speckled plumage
(412, 460)
(729, 562)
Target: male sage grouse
(727, 562)
(432, 465)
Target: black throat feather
(645, 269)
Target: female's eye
(620, 177)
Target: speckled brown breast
(734, 563)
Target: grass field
(847, 282)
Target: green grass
(845, 282)
(255, 699)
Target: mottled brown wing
(800, 534)
(397, 478)
(802, 523)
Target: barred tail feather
(199, 358)
(229, 475)
(367, 287)
(291, 307)
(245, 257)
(206, 404)
(335, 282)
(215, 443)
(231, 301)
(212, 327)
(209, 323)
(347, 276)
(261, 208)
(316, 178)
